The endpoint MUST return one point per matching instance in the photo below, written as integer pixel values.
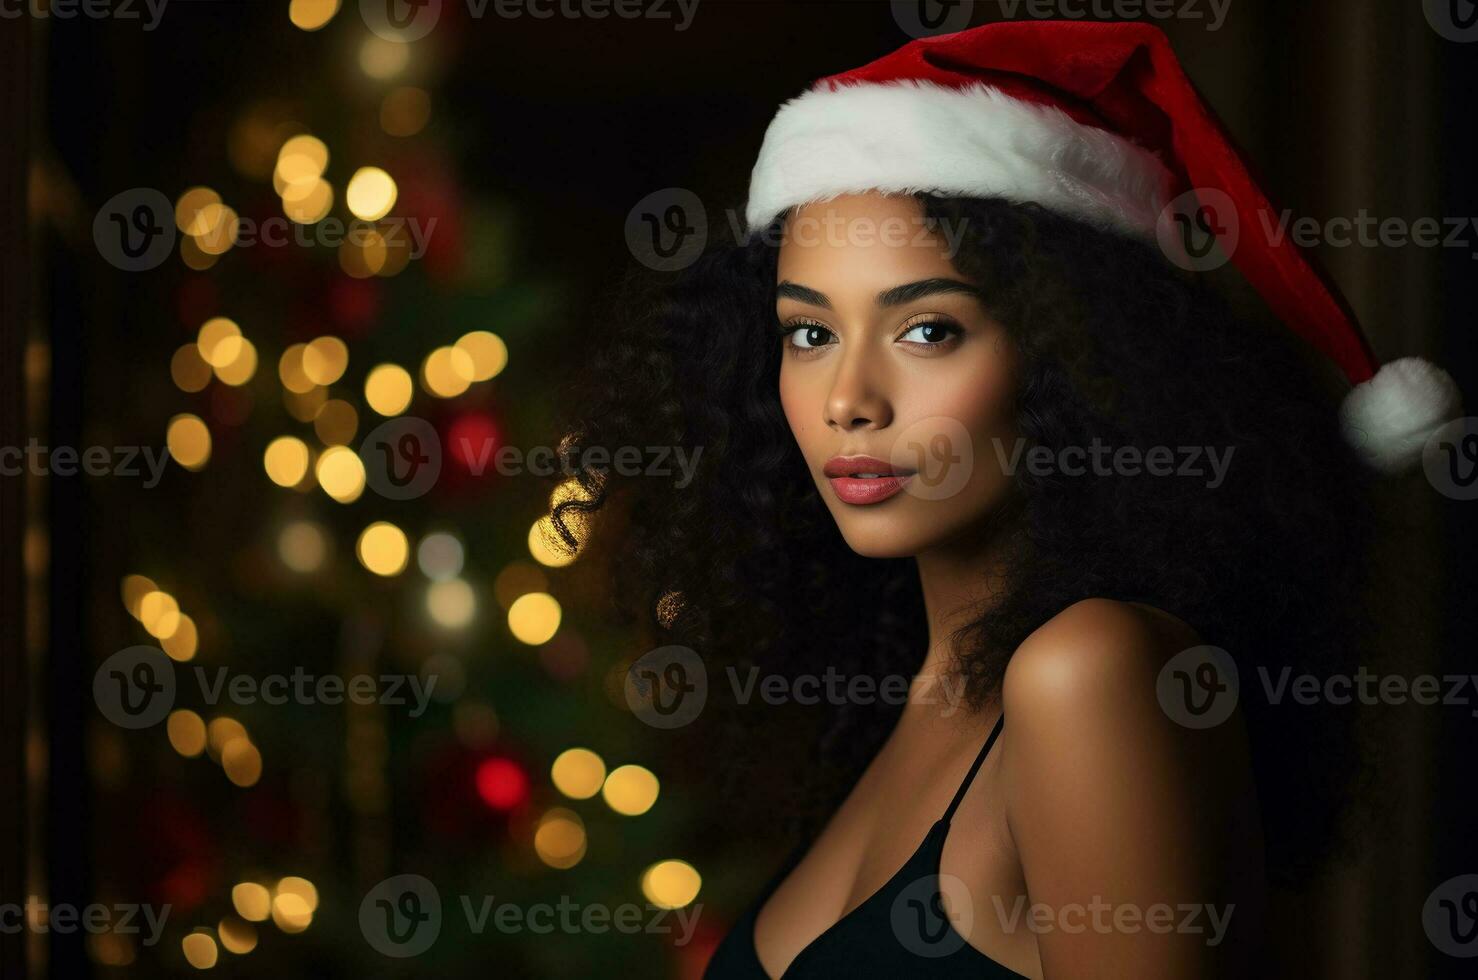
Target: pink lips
(864, 479)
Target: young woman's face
(899, 388)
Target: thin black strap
(960, 793)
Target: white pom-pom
(1390, 417)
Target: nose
(856, 399)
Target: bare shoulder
(1095, 654)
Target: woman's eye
(935, 332)
(809, 335)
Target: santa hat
(1096, 121)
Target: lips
(864, 480)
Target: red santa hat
(1096, 121)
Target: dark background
(1340, 105)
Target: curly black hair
(1118, 346)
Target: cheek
(793, 401)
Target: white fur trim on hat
(1390, 417)
(909, 135)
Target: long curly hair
(1118, 346)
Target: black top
(900, 930)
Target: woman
(965, 418)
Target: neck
(960, 581)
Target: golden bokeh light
(578, 773)
(241, 368)
(291, 912)
(188, 441)
(671, 884)
(221, 731)
(371, 193)
(308, 202)
(325, 360)
(188, 369)
(184, 641)
(187, 210)
(447, 372)
(237, 936)
(186, 732)
(286, 460)
(311, 15)
(534, 618)
(133, 589)
(451, 603)
(302, 546)
(389, 389)
(630, 790)
(300, 161)
(383, 59)
(200, 949)
(252, 901)
(301, 887)
(336, 422)
(160, 614)
(219, 341)
(340, 473)
(547, 547)
(290, 370)
(559, 839)
(488, 352)
(221, 226)
(383, 549)
(242, 762)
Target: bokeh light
(383, 549)
(534, 618)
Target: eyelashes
(933, 331)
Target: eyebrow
(894, 296)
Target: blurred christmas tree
(356, 368)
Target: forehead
(861, 243)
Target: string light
(534, 618)
(671, 884)
(630, 790)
